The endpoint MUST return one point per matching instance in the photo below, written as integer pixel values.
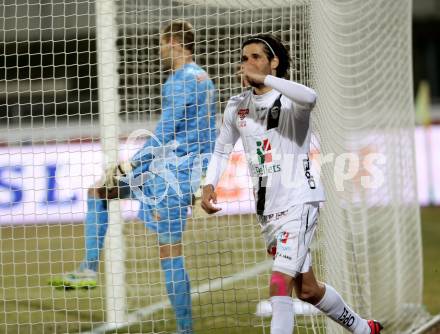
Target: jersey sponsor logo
(308, 175)
(265, 164)
(261, 112)
(264, 151)
(274, 216)
(263, 170)
(242, 113)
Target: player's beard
(254, 84)
(264, 70)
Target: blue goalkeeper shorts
(163, 206)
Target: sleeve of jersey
(211, 132)
(173, 112)
(223, 147)
(304, 97)
(212, 118)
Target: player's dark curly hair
(275, 48)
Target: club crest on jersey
(275, 111)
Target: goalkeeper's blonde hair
(182, 31)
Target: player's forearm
(216, 167)
(224, 145)
(298, 93)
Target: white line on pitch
(434, 321)
(216, 284)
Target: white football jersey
(276, 133)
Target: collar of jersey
(186, 66)
(268, 95)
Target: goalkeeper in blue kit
(161, 174)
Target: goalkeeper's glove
(114, 173)
(198, 193)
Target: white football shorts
(288, 235)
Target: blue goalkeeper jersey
(186, 129)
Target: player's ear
(174, 42)
(274, 63)
(165, 40)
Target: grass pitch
(214, 248)
(431, 258)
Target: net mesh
(372, 230)
(356, 55)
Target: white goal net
(78, 77)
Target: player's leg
(173, 262)
(283, 315)
(292, 261)
(177, 284)
(95, 228)
(168, 219)
(96, 222)
(329, 301)
(323, 296)
(280, 238)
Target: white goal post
(109, 107)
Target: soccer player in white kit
(273, 121)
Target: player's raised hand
(209, 196)
(241, 78)
(252, 74)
